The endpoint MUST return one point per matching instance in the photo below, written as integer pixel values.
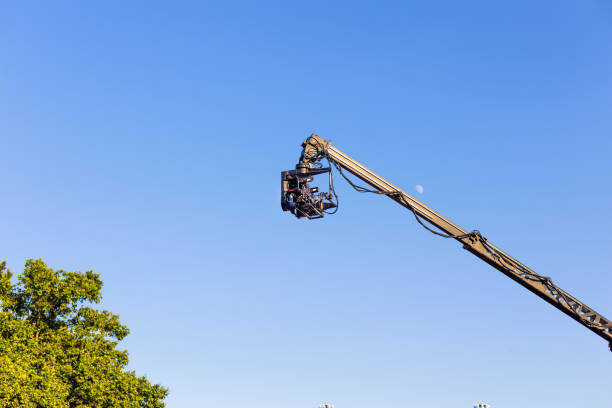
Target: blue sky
(145, 141)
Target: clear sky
(145, 140)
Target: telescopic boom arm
(302, 201)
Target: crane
(304, 201)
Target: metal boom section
(316, 148)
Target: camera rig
(303, 201)
(299, 198)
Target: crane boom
(300, 199)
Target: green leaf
(58, 351)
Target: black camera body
(301, 199)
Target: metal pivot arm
(315, 148)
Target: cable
(510, 264)
(322, 153)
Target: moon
(419, 188)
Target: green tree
(57, 352)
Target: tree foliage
(57, 352)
